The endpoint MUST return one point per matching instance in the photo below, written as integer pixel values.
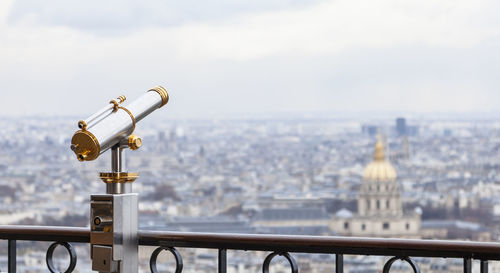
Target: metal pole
(484, 266)
(12, 256)
(116, 159)
(467, 265)
(118, 166)
(222, 260)
(339, 263)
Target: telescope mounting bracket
(118, 181)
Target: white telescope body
(114, 123)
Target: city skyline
(276, 176)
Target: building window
(368, 203)
(387, 203)
(346, 225)
(407, 226)
(363, 226)
(378, 187)
(385, 225)
(378, 204)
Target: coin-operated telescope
(113, 215)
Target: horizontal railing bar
(45, 233)
(325, 244)
(263, 242)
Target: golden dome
(379, 169)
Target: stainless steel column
(113, 235)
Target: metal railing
(278, 245)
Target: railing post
(339, 263)
(222, 260)
(467, 265)
(12, 256)
(484, 266)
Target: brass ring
(131, 116)
(122, 177)
(121, 99)
(162, 92)
(115, 105)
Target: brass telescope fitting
(134, 142)
(163, 93)
(85, 145)
(121, 177)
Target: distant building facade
(454, 229)
(403, 129)
(295, 220)
(401, 126)
(370, 130)
(380, 211)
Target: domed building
(380, 212)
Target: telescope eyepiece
(85, 145)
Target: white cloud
(115, 17)
(319, 57)
(335, 26)
(326, 28)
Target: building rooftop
(273, 214)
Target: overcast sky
(227, 57)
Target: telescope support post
(116, 159)
(117, 167)
(114, 221)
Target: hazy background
(377, 60)
(225, 57)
